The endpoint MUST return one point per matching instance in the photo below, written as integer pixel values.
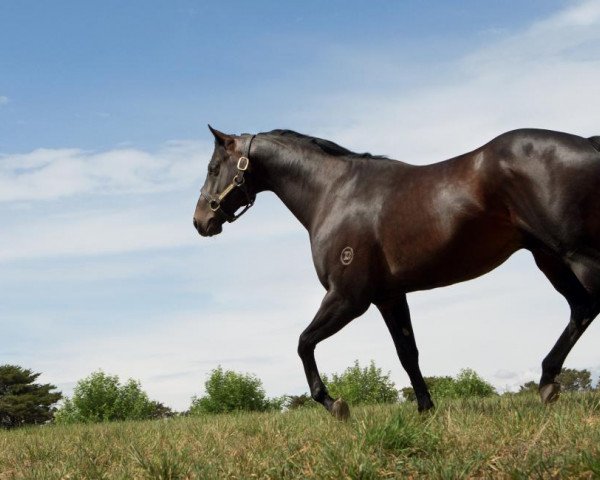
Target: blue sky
(95, 74)
(103, 147)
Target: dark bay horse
(381, 228)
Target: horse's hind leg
(579, 283)
(397, 318)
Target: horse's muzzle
(213, 227)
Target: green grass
(500, 437)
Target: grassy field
(499, 437)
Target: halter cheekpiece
(238, 182)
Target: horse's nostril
(195, 224)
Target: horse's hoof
(425, 405)
(549, 393)
(340, 410)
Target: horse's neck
(300, 181)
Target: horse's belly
(440, 258)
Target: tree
(529, 387)
(573, 380)
(358, 385)
(159, 410)
(466, 384)
(22, 401)
(101, 397)
(570, 379)
(229, 391)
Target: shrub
(229, 391)
(469, 384)
(276, 404)
(466, 384)
(101, 398)
(362, 385)
(22, 401)
(293, 402)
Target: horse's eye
(213, 169)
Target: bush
(22, 401)
(229, 391)
(466, 384)
(469, 384)
(276, 404)
(101, 398)
(292, 402)
(439, 387)
(362, 385)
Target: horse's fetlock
(318, 394)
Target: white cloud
(127, 228)
(3, 100)
(94, 233)
(568, 36)
(547, 76)
(46, 174)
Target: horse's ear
(222, 138)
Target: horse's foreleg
(335, 313)
(397, 318)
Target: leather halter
(238, 182)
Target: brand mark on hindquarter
(347, 256)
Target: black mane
(325, 146)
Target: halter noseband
(238, 182)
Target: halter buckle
(243, 163)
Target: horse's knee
(305, 345)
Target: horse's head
(226, 189)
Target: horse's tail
(595, 141)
